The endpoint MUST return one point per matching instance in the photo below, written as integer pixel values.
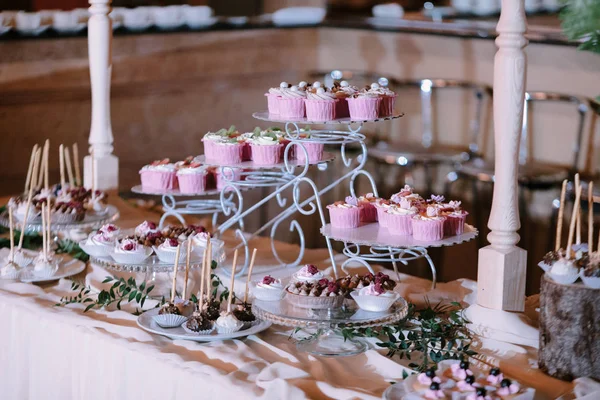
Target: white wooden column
(502, 265)
(101, 137)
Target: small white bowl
(169, 320)
(170, 17)
(267, 294)
(374, 303)
(137, 19)
(168, 256)
(563, 279)
(96, 250)
(131, 258)
(589, 281)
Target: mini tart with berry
(424, 380)
(64, 213)
(323, 294)
(130, 251)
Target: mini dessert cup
(381, 214)
(266, 154)
(199, 333)
(224, 153)
(264, 294)
(590, 281)
(169, 320)
(292, 107)
(455, 224)
(368, 212)
(386, 107)
(363, 108)
(192, 182)
(427, 229)
(131, 257)
(167, 256)
(98, 250)
(314, 150)
(342, 217)
(399, 224)
(564, 279)
(158, 180)
(320, 110)
(318, 303)
(272, 103)
(341, 108)
(374, 303)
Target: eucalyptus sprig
(67, 246)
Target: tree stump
(569, 330)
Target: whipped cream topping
(267, 139)
(293, 93)
(129, 246)
(369, 198)
(275, 91)
(375, 290)
(393, 209)
(200, 239)
(381, 90)
(229, 321)
(169, 245)
(309, 273)
(187, 170)
(321, 94)
(162, 167)
(100, 239)
(270, 283)
(564, 267)
(145, 228)
(48, 194)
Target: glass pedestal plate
(328, 340)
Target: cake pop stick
(174, 287)
(572, 224)
(233, 267)
(69, 167)
(187, 269)
(34, 177)
(44, 229)
(61, 157)
(208, 267)
(48, 227)
(43, 170)
(76, 163)
(202, 279)
(249, 275)
(578, 228)
(30, 168)
(591, 217)
(12, 238)
(561, 212)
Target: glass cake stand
(328, 340)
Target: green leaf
(89, 307)
(143, 286)
(107, 279)
(404, 374)
(132, 295)
(149, 289)
(138, 297)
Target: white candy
(283, 85)
(374, 86)
(344, 84)
(302, 84)
(320, 90)
(294, 88)
(317, 84)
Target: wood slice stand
(569, 330)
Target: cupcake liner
(563, 279)
(199, 333)
(250, 324)
(95, 250)
(320, 110)
(192, 183)
(21, 259)
(544, 266)
(169, 320)
(386, 107)
(231, 153)
(374, 303)
(167, 256)
(314, 302)
(267, 154)
(272, 103)
(12, 276)
(267, 294)
(344, 217)
(314, 150)
(399, 224)
(381, 215)
(363, 108)
(341, 109)
(590, 281)
(368, 212)
(228, 331)
(131, 258)
(45, 273)
(428, 229)
(455, 224)
(291, 108)
(158, 180)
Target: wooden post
(101, 137)
(502, 265)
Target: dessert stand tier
(327, 157)
(328, 341)
(89, 222)
(386, 247)
(266, 116)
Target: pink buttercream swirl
(423, 379)
(463, 386)
(508, 390)
(459, 373)
(433, 211)
(454, 204)
(495, 380)
(434, 394)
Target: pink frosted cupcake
(399, 218)
(345, 214)
(314, 150)
(160, 175)
(407, 193)
(342, 91)
(291, 103)
(273, 97)
(364, 106)
(381, 206)
(320, 105)
(192, 178)
(388, 99)
(225, 175)
(266, 147)
(428, 226)
(455, 218)
(224, 146)
(368, 212)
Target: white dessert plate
(146, 322)
(327, 157)
(266, 116)
(68, 266)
